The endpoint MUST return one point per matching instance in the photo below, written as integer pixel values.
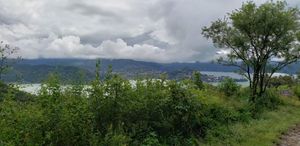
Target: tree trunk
(254, 87)
(261, 84)
(257, 84)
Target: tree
(5, 52)
(197, 80)
(257, 36)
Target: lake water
(34, 88)
(30, 88)
(235, 76)
(219, 74)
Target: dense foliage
(297, 91)
(229, 87)
(9, 90)
(254, 35)
(281, 80)
(115, 111)
(6, 51)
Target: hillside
(37, 73)
(35, 70)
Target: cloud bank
(152, 30)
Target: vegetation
(36, 70)
(229, 87)
(297, 91)
(197, 80)
(255, 35)
(281, 80)
(5, 52)
(113, 111)
(38, 73)
(264, 131)
(13, 92)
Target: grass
(264, 131)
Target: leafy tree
(255, 35)
(5, 52)
(197, 80)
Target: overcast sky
(148, 30)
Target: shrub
(229, 87)
(197, 80)
(297, 91)
(113, 112)
(268, 101)
(281, 80)
(151, 140)
(217, 118)
(13, 92)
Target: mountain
(27, 73)
(128, 65)
(36, 70)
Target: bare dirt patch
(291, 138)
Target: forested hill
(35, 70)
(128, 65)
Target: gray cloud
(91, 10)
(152, 30)
(184, 20)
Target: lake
(34, 88)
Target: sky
(146, 30)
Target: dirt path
(291, 138)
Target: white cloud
(71, 47)
(120, 49)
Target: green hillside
(151, 112)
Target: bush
(281, 80)
(268, 101)
(218, 118)
(113, 112)
(229, 87)
(13, 92)
(151, 140)
(197, 80)
(297, 91)
(153, 112)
